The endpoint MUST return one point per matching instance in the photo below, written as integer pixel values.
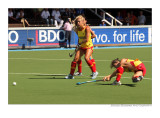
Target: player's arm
(87, 35)
(108, 77)
(93, 34)
(118, 72)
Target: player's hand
(106, 78)
(79, 44)
(77, 47)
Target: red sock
(90, 64)
(94, 63)
(80, 66)
(120, 71)
(73, 67)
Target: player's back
(127, 65)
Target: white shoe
(77, 74)
(94, 75)
(116, 83)
(69, 77)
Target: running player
(79, 72)
(85, 46)
(126, 65)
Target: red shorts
(84, 49)
(140, 67)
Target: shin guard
(79, 66)
(92, 67)
(73, 67)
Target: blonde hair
(75, 20)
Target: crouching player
(126, 65)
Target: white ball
(14, 83)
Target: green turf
(27, 68)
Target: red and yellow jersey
(135, 62)
(81, 36)
(138, 65)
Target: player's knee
(76, 59)
(87, 58)
(137, 78)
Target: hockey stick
(70, 55)
(79, 83)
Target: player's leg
(138, 76)
(90, 63)
(88, 53)
(79, 72)
(77, 57)
(94, 63)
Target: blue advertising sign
(17, 38)
(46, 37)
(41, 37)
(119, 35)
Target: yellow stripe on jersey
(136, 62)
(129, 60)
(81, 36)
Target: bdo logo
(51, 36)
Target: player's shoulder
(87, 27)
(123, 60)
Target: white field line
(128, 77)
(62, 75)
(41, 59)
(34, 74)
(56, 59)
